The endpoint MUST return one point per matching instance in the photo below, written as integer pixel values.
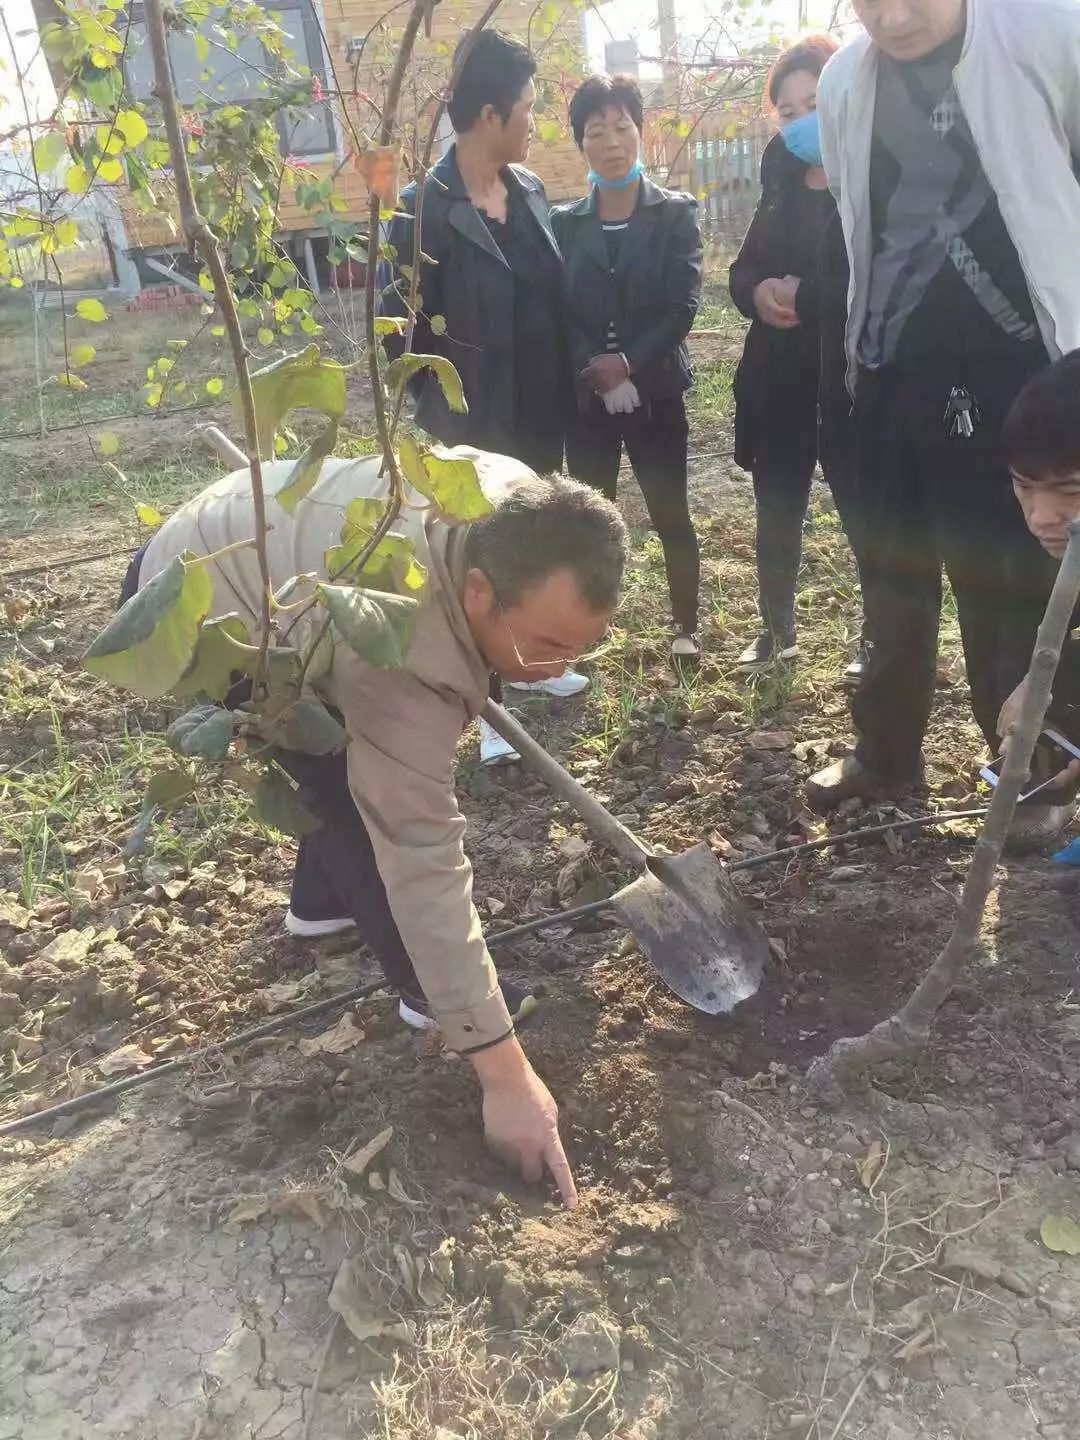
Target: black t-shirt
(946, 278)
(540, 364)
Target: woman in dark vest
(775, 282)
(632, 256)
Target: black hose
(503, 937)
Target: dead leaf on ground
(308, 1203)
(284, 993)
(70, 947)
(101, 882)
(350, 1298)
(872, 1164)
(771, 740)
(359, 1160)
(12, 913)
(335, 1041)
(573, 847)
(396, 1191)
(921, 1344)
(1060, 1234)
(251, 1207)
(127, 1057)
(238, 888)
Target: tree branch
(200, 239)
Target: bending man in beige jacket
(521, 592)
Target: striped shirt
(614, 234)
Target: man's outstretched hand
(1008, 720)
(521, 1120)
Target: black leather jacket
(653, 295)
(472, 288)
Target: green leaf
(303, 380)
(309, 727)
(390, 325)
(148, 514)
(277, 803)
(92, 310)
(447, 480)
(148, 644)
(215, 385)
(266, 336)
(204, 730)
(392, 566)
(1060, 1234)
(438, 324)
(50, 150)
(224, 649)
(406, 366)
(304, 474)
(168, 788)
(377, 627)
(132, 126)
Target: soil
(743, 1264)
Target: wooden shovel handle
(604, 826)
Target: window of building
(238, 75)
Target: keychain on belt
(961, 413)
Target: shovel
(683, 910)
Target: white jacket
(1018, 82)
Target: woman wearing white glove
(632, 255)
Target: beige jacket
(403, 725)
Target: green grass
(711, 401)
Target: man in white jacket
(950, 133)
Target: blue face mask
(634, 173)
(803, 138)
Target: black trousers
(928, 499)
(336, 874)
(655, 437)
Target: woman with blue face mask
(775, 283)
(632, 280)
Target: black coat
(653, 295)
(472, 287)
(776, 384)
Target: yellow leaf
(217, 330)
(132, 126)
(109, 140)
(872, 1165)
(92, 310)
(68, 381)
(77, 180)
(16, 282)
(148, 515)
(66, 232)
(215, 386)
(108, 442)
(153, 396)
(110, 170)
(266, 337)
(281, 445)
(82, 354)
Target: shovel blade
(692, 926)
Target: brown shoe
(848, 779)
(1035, 826)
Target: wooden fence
(724, 171)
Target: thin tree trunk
(849, 1059)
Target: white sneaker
(684, 646)
(570, 682)
(494, 750)
(295, 926)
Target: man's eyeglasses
(537, 664)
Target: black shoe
(416, 1011)
(766, 649)
(855, 673)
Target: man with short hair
(520, 592)
(491, 296)
(950, 135)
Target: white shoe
(685, 647)
(295, 926)
(570, 682)
(494, 750)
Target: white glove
(623, 400)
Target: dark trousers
(336, 874)
(928, 499)
(655, 437)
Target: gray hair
(544, 525)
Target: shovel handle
(603, 825)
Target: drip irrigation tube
(502, 937)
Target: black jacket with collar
(472, 288)
(652, 296)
